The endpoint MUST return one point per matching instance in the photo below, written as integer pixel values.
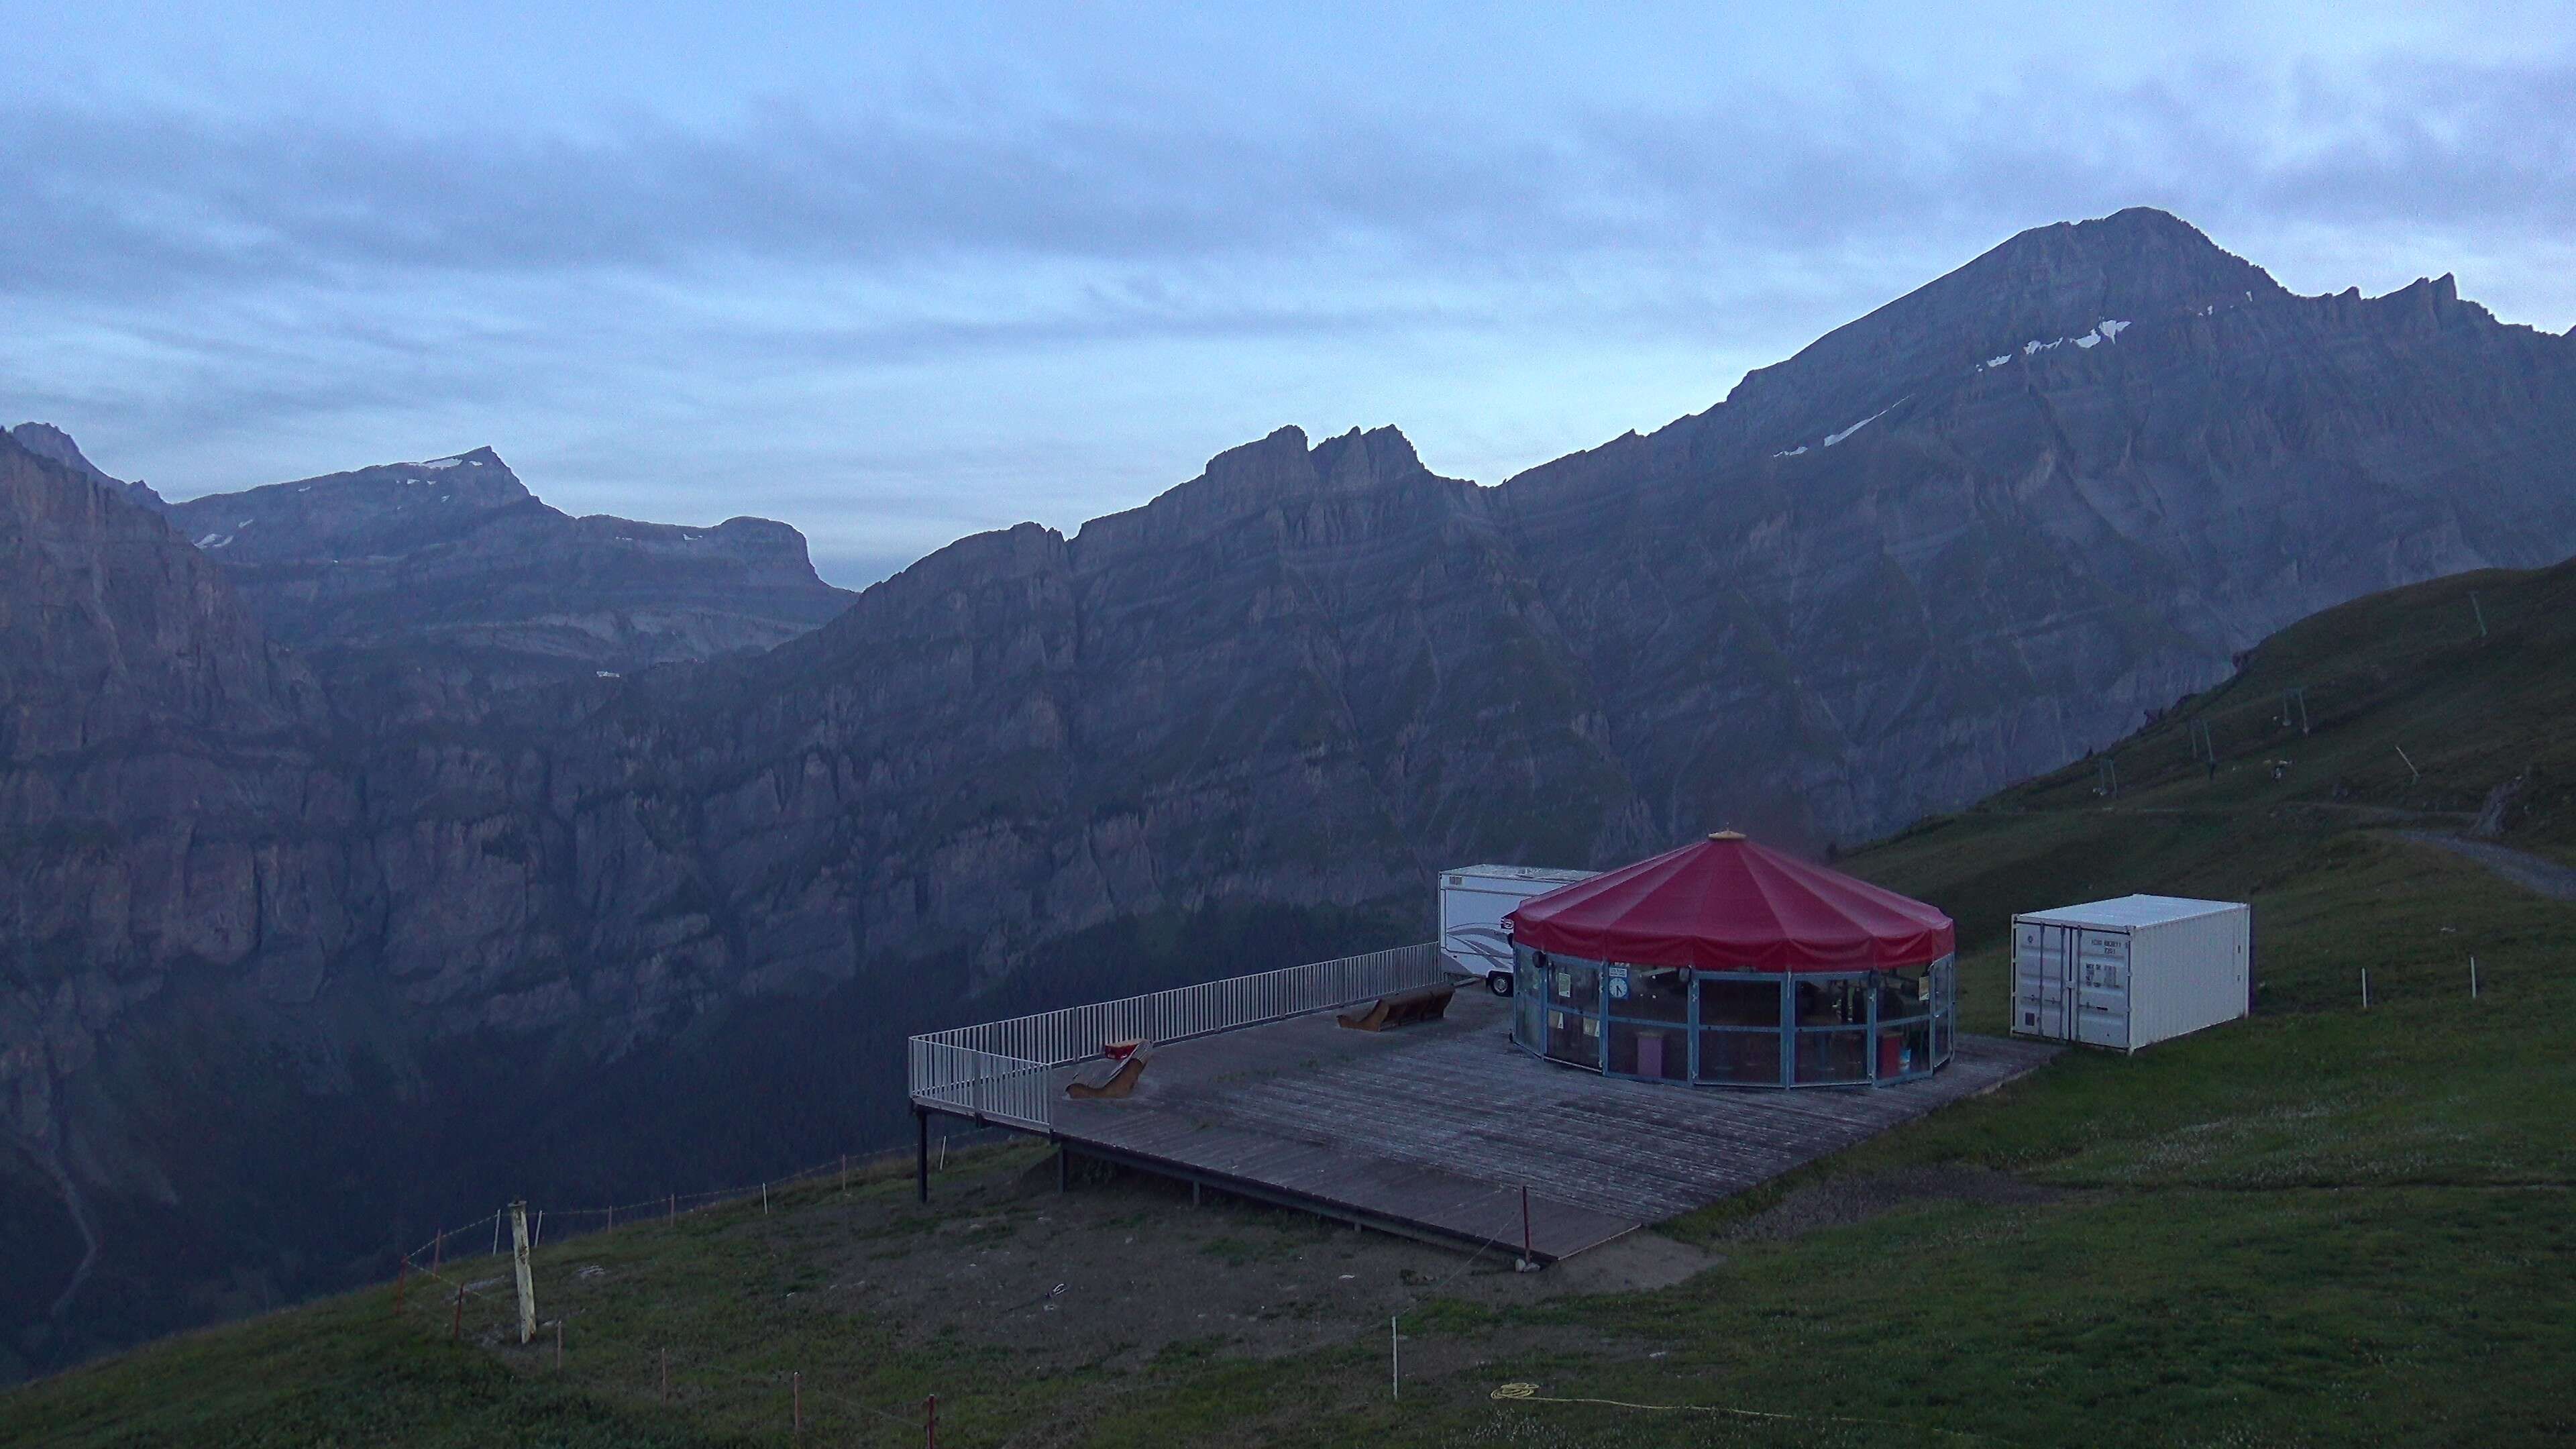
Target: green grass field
(2321, 1226)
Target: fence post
(437, 1249)
(2473, 978)
(796, 1405)
(527, 1287)
(666, 1373)
(933, 1403)
(2365, 988)
(1394, 1363)
(456, 1323)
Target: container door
(2102, 988)
(2042, 966)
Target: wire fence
(789, 1390)
(438, 1283)
(556, 1223)
(2265, 720)
(461, 1284)
(445, 1298)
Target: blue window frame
(1738, 1028)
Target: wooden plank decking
(1436, 1129)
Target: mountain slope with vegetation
(2324, 1225)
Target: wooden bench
(1111, 1078)
(1404, 1008)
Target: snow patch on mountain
(1833, 438)
(2106, 330)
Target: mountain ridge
(1297, 683)
(368, 568)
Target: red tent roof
(1727, 904)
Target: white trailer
(2131, 972)
(1473, 901)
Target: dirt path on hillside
(2531, 872)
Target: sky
(896, 274)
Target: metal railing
(1012, 1071)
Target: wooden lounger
(1111, 1078)
(1423, 1003)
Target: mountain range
(385, 844)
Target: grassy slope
(2322, 1226)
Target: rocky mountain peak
(2069, 281)
(1246, 481)
(2140, 261)
(385, 509)
(52, 443)
(1359, 460)
(47, 441)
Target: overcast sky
(897, 275)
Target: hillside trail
(2531, 872)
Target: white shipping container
(2131, 972)
(1473, 901)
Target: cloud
(120, 202)
(1038, 311)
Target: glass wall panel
(1649, 1051)
(1833, 1056)
(1904, 1050)
(1529, 971)
(1574, 1037)
(1833, 1001)
(1574, 985)
(1904, 993)
(1649, 993)
(1746, 1058)
(1739, 1001)
(1848, 1029)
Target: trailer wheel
(1499, 983)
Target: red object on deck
(1119, 1051)
(1727, 904)
(1891, 1054)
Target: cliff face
(1962, 539)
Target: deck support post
(1063, 1166)
(921, 1160)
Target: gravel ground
(2531, 872)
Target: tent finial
(1726, 835)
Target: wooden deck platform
(1435, 1130)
